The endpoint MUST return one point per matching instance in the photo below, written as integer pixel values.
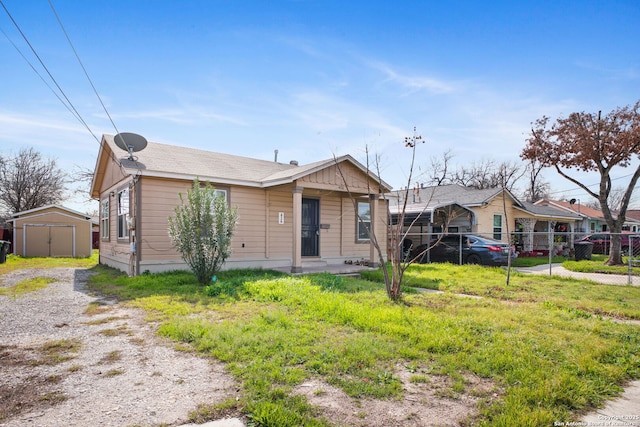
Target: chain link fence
(554, 246)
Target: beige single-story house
(51, 231)
(289, 215)
(492, 213)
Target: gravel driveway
(67, 361)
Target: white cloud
(414, 82)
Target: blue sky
(316, 78)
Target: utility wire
(82, 66)
(590, 185)
(24, 37)
(40, 75)
(95, 91)
(66, 102)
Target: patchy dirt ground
(67, 361)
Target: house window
(364, 220)
(497, 227)
(221, 193)
(217, 192)
(123, 214)
(104, 219)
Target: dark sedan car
(475, 250)
(602, 242)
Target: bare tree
(82, 176)
(28, 181)
(439, 174)
(395, 234)
(616, 196)
(592, 143)
(486, 173)
(537, 188)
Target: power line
(95, 91)
(66, 102)
(82, 66)
(40, 75)
(24, 37)
(590, 185)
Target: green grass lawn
(544, 342)
(595, 265)
(14, 262)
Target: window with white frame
(364, 220)
(104, 219)
(123, 214)
(217, 192)
(497, 227)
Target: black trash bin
(583, 250)
(4, 250)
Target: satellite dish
(131, 142)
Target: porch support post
(296, 266)
(572, 236)
(528, 225)
(373, 205)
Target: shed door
(37, 241)
(49, 241)
(310, 227)
(61, 242)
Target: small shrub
(202, 229)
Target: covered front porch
(535, 237)
(421, 224)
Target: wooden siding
(484, 217)
(250, 235)
(331, 216)
(109, 173)
(331, 179)
(159, 200)
(280, 237)
(119, 251)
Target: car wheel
(473, 259)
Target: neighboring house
(592, 220)
(633, 220)
(95, 232)
(490, 212)
(51, 231)
(288, 215)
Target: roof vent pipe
(293, 163)
(275, 153)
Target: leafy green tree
(202, 229)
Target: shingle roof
(182, 162)
(435, 196)
(633, 214)
(581, 210)
(457, 193)
(548, 211)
